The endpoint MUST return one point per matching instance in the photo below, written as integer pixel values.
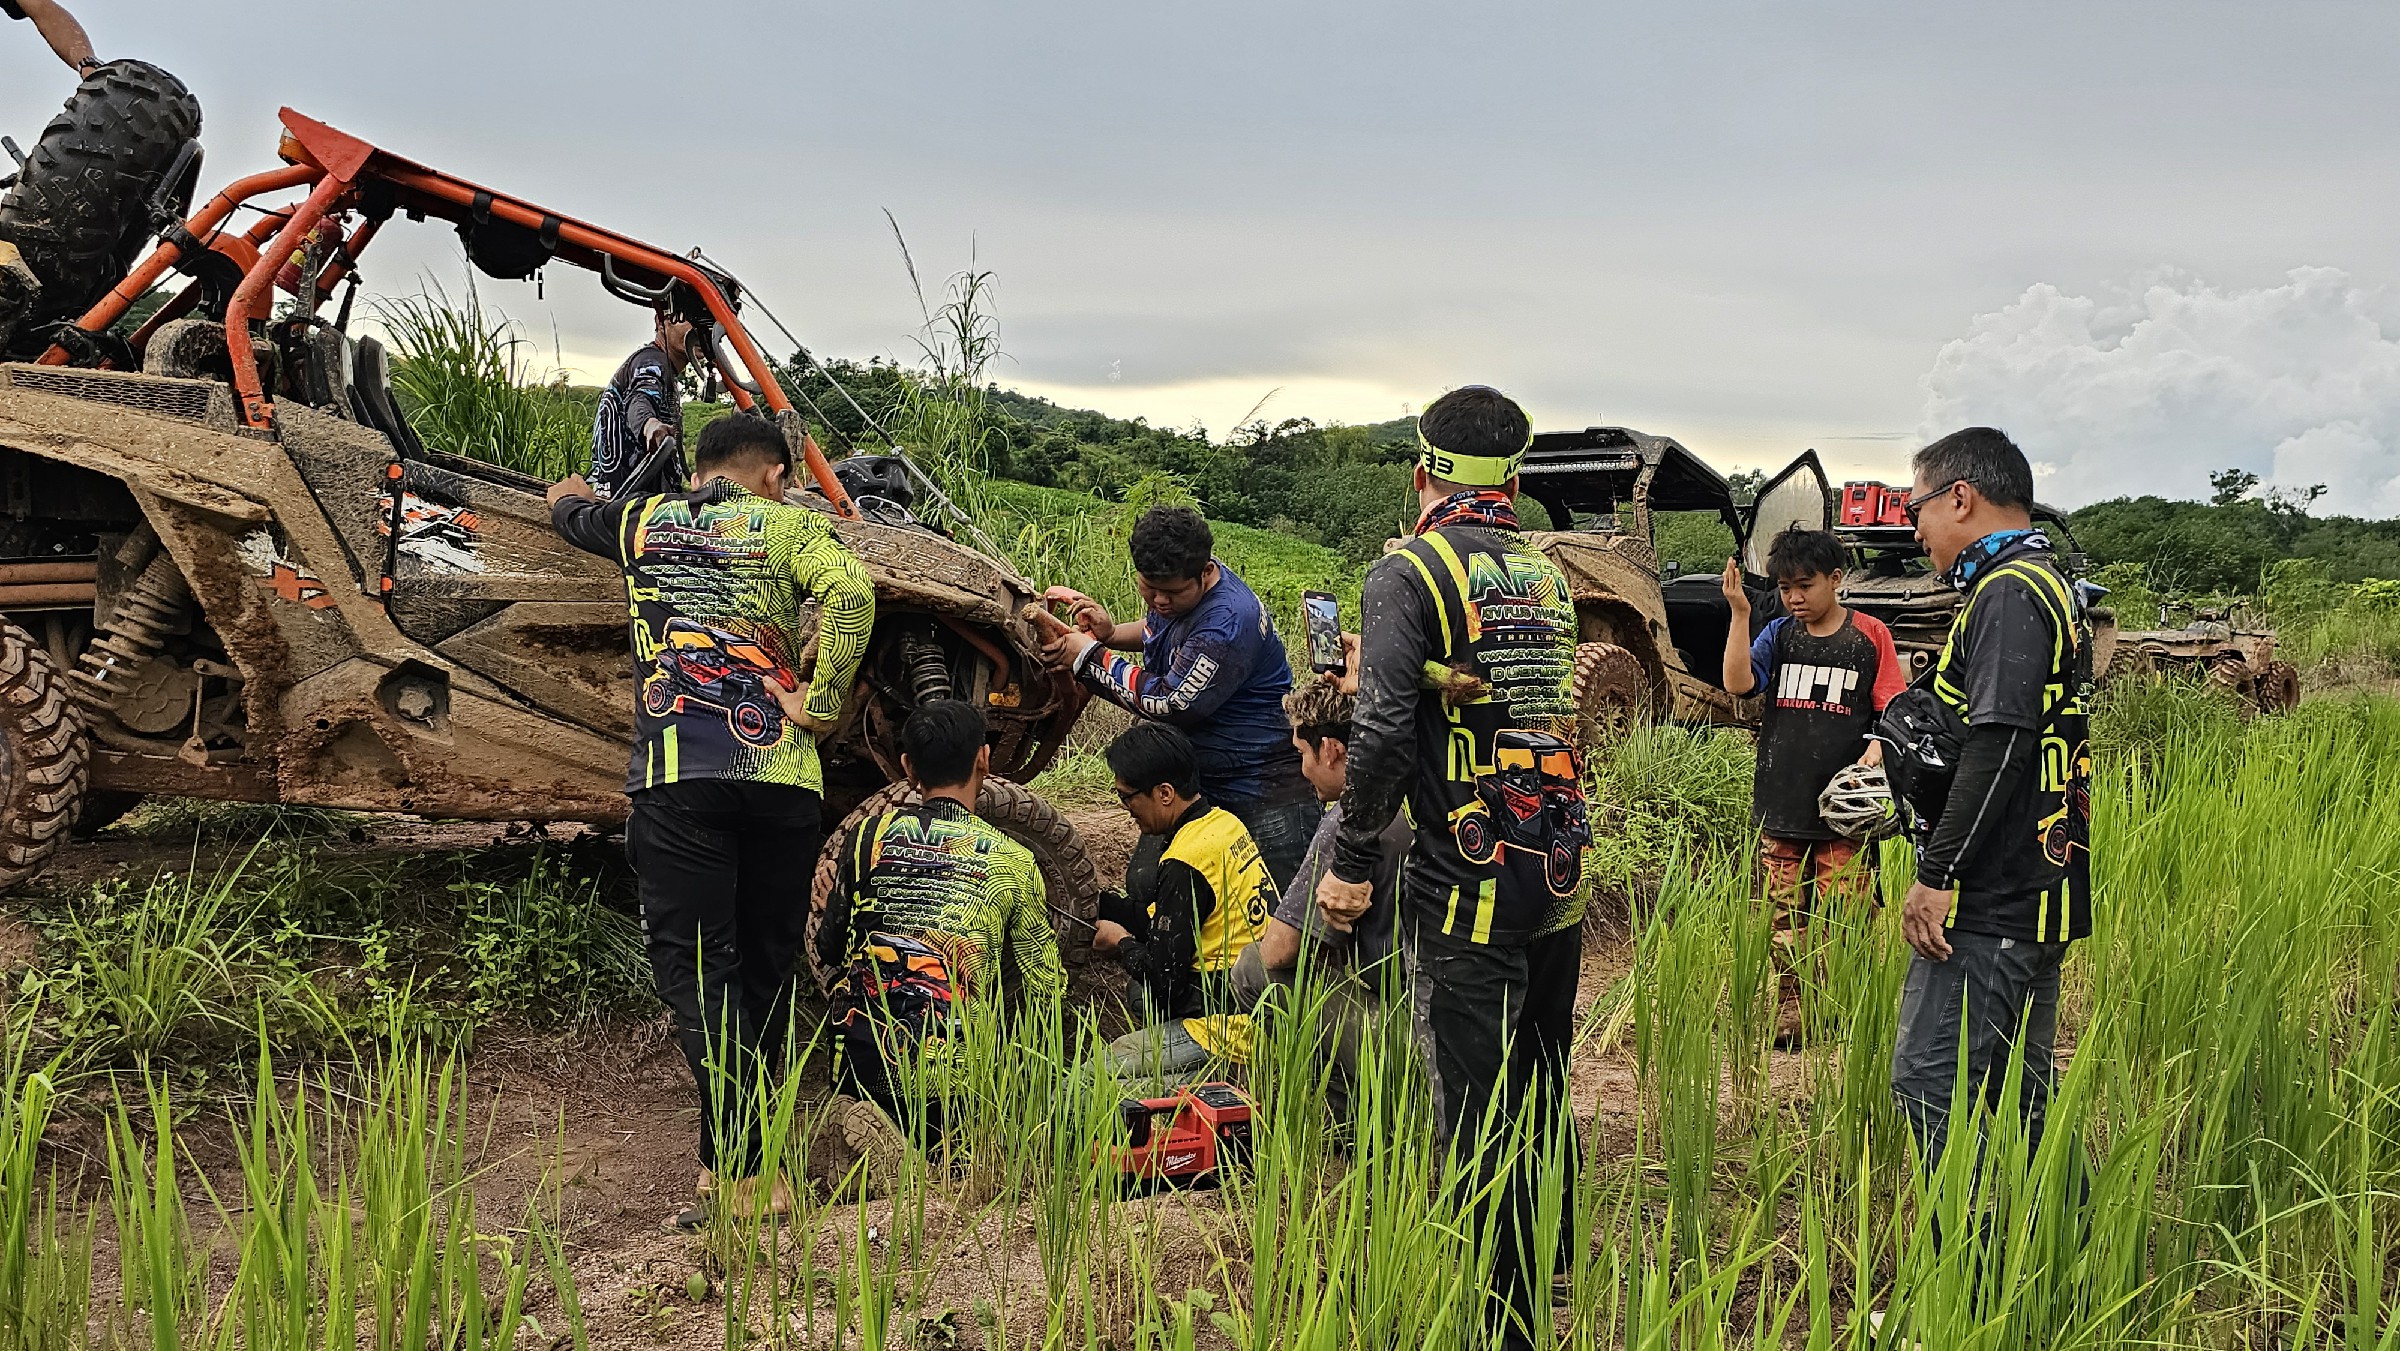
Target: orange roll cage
(340, 170)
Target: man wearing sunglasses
(2004, 865)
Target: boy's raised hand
(1735, 594)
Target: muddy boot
(1791, 1026)
(881, 1148)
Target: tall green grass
(348, 1217)
(465, 380)
(2221, 1168)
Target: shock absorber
(928, 669)
(153, 607)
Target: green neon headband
(1474, 471)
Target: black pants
(1496, 1023)
(2007, 989)
(724, 868)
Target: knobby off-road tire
(1611, 690)
(45, 758)
(79, 210)
(2279, 687)
(2230, 676)
(1072, 883)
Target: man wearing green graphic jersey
(931, 906)
(1490, 899)
(724, 778)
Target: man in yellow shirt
(1208, 898)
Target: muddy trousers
(1496, 1023)
(723, 869)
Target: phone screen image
(1323, 615)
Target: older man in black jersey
(2004, 878)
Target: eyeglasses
(1915, 506)
(1127, 795)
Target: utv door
(1798, 495)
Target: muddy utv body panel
(491, 682)
(222, 537)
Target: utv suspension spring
(928, 670)
(153, 607)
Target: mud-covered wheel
(2279, 687)
(2133, 666)
(79, 210)
(45, 757)
(1072, 883)
(1610, 691)
(2231, 676)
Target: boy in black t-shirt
(1826, 672)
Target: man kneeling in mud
(931, 907)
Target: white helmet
(1858, 803)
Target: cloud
(2148, 387)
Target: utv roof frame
(346, 174)
(1597, 469)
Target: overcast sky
(2150, 239)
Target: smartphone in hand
(1321, 614)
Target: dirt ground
(612, 1111)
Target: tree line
(1346, 487)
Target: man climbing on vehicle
(637, 434)
(1181, 925)
(725, 779)
(931, 907)
(1995, 759)
(1491, 899)
(1826, 671)
(1210, 664)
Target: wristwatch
(88, 64)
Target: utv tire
(79, 210)
(1069, 879)
(45, 757)
(2279, 687)
(1610, 693)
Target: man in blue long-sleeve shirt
(1211, 664)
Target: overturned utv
(229, 568)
